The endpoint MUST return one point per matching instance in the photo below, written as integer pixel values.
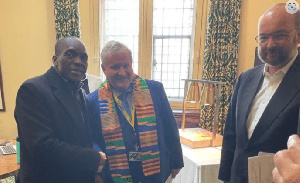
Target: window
(172, 29)
(121, 23)
(172, 34)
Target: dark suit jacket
(277, 123)
(167, 131)
(49, 126)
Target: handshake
(98, 178)
(102, 161)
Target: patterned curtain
(67, 22)
(220, 56)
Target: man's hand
(102, 161)
(175, 172)
(287, 163)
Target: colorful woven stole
(112, 131)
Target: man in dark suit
(265, 104)
(133, 123)
(53, 124)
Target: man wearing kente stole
(133, 123)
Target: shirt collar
(85, 77)
(117, 93)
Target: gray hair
(113, 47)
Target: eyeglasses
(278, 38)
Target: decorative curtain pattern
(220, 56)
(67, 22)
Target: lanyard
(130, 120)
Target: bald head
(278, 36)
(70, 59)
(279, 14)
(63, 42)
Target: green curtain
(221, 55)
(67, 21)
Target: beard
(278, 55)
(274, 56)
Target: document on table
(260, 168)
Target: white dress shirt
(264, 95)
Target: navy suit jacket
(49, 126)
(167, 131)
(277, 123)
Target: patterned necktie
(85, 86)
(125, 104)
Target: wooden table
(8, 163)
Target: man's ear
(54, 60)
(298, 35)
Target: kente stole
(112, 131)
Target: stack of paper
(260, 168)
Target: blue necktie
(125, 105)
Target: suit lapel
(284, 94)
(64, 94)
(250, 89)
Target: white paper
(260, 168)
(169, 180)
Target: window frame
(145, 53)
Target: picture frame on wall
(2, 103)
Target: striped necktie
(125, 104)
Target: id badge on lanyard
(135, 155)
